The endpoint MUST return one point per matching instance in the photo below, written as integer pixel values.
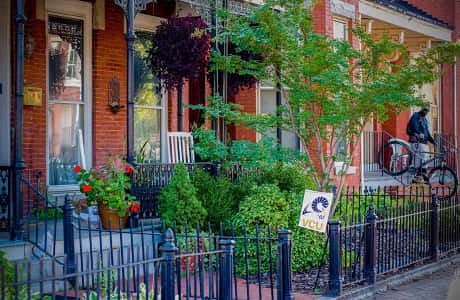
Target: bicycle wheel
(395, 158)
(443, 181)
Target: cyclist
(419, 136)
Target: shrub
(217, 197)
(288, 177)
(266, 205)
(178, 201)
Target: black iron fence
(381, 231)
(87, 254)
(6, 207)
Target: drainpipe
(130, 38)
(17, 232)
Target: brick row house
(74, 59)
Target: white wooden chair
(180, 147)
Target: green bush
(288, 177)
(217, 197)
(178, 201)
(266, 205)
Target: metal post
(279, 97)
(130, 38)
(434, 228)
(370, 259)
(335, 267)
(284, 265)
(69, 247)
(215, 169)
(226, 269)
(180, 108)
(17, 232)
(168, 253)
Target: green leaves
(333, 88)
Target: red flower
(77, 169)
(135, 208)
(86, 188)
(128, 169)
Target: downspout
(130, 38)
(17, 232)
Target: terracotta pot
(110, 218)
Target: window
(340, 33)
(66, 101)
(69, 92)
(340, 29)
(148, 107)
(267, 105)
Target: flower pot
(110, 218)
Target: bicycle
(398, 159)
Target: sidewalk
(432, 287)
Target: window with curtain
(65, 99)
(147, 105)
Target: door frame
(83, 11)
(5, 80)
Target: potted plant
(108, 187)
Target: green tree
(330, 89)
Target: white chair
(180, 147)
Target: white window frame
(79, 10)
(148, 23)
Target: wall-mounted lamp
(114, 95)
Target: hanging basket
(180, 50)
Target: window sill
(338, 168)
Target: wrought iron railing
(383, 231)
(373, 142)
(6, 200)
(149, 179)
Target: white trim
(388, 15)
(5, 80)
(82, 11)
(259, 88)
(455, 113)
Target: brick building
(75, 60)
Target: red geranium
(135, 208)
(77, 169)
(128, 169)
(86, 188)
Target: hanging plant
(180, 50)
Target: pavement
(441, 285)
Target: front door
(5, 98)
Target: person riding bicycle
(419, 136)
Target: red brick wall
(109, 60)
(34, 131)
(247, 98)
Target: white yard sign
(315, 210)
